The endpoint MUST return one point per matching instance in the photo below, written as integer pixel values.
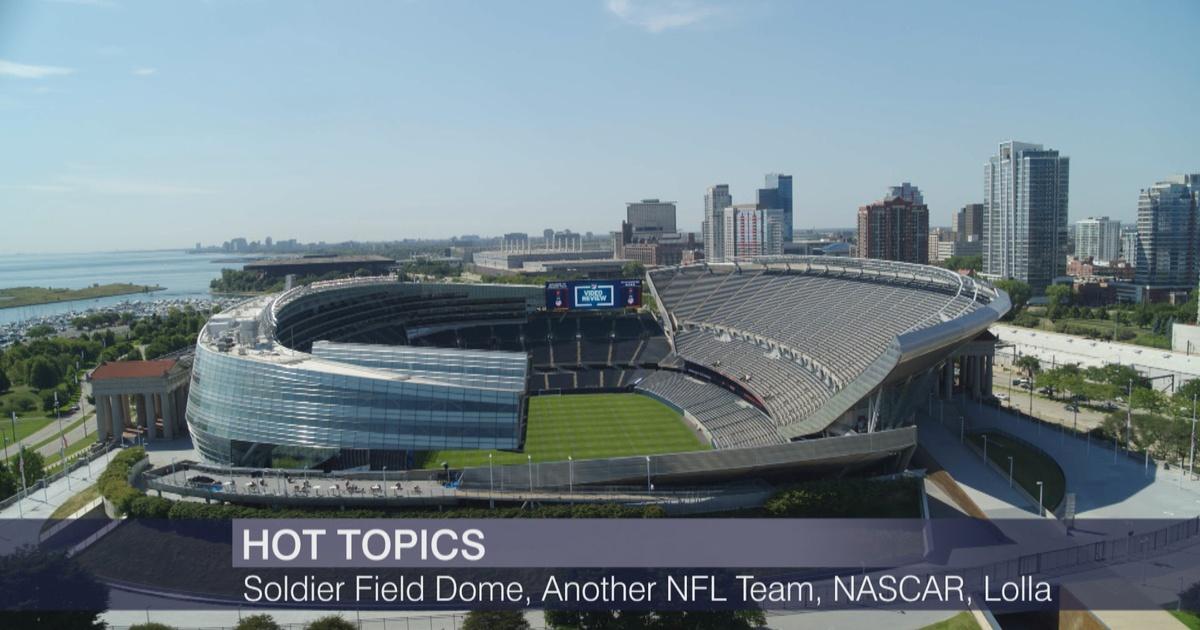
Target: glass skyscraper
(1167, 234)
(777, 195)
(1025, 214)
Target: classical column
(181, 398)
(169, 411)
(948, 379)
(990, 376)
(120, 415)
(145, 414)
(976, 376)
(103, 418)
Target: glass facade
(256, 410)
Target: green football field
(587, 426)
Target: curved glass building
(331, 400)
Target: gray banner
(577, 543)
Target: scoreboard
(593, 295)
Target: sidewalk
(1105, 486)
(42, 503)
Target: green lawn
(1142, 336)
(1029, 465)
(28, 422)
(586, 426)
(1187, 618)
(27, 296)
(54, 461)
(87, 495)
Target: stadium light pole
(491, 484)
(385, 482)
(570, 475)
(648, 484)
(1129, 418)
(1192, 450)
(529, 459)
(1041, 505)
(1032, 386)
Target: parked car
(1001, 397)
(1071, 407)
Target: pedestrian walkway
(1106, 484)
(39, 505)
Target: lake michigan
(181, 274)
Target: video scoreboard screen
(593, 295)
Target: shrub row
(848, 498)
(114, 481)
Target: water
(183, 275)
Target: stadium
(777, 365)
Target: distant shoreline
(16, 297)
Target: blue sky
(130, 124)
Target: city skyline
(250, 120)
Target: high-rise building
(941, 245)
(1129, 243)
(894, 229)
(968, 223)
(716, 199)
(1025, 214)
(777, 195)
(751, 231)
(515, 242)
(650, 219)
(907, 192)
(1167, 235)
(1098, 238)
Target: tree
(1186, 392)
(1059, 297)
(43, 374)
(49, 591)
(332, 622)
(1149, 399)
(48, 397)
(5, 384)
(633, 269)
(1018, 292)
(34, 466)
(257, 622)
(495, 620)
(151, 625)
(9, 481)
(1028, 364)
(974, 263)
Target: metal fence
(446, 621)
(74, 462)
(632, 472)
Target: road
(1045, 408)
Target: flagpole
(21, 459)
(62, 450)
